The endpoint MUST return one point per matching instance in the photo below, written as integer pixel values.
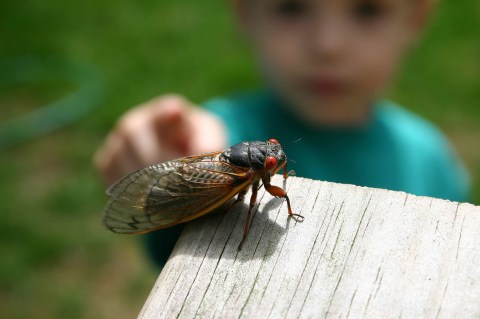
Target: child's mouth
(326, 87)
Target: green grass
(57, 261)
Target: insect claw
(297, 217)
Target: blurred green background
(56, 259)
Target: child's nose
(328, 38)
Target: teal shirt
(396, 150)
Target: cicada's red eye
(273, 141)
(270, 162)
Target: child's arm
(162, 129)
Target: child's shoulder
(427, 151)
(410, 128)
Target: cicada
(177, 191)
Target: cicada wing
(170, 193)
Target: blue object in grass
(76, 105)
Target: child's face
(330, 58)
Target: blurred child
(326, 64)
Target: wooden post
(360, 252)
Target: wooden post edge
(360, 252)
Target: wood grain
(360, 252)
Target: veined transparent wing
(173, 192)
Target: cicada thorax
(261, 157)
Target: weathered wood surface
(360, 252)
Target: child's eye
(368, 11)
(290, 8)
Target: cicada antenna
(297, 140)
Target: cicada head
(258, 156)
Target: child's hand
(163, 129)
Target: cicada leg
(287, 172)
(240, 198)
(280, 192)
(253, 201)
